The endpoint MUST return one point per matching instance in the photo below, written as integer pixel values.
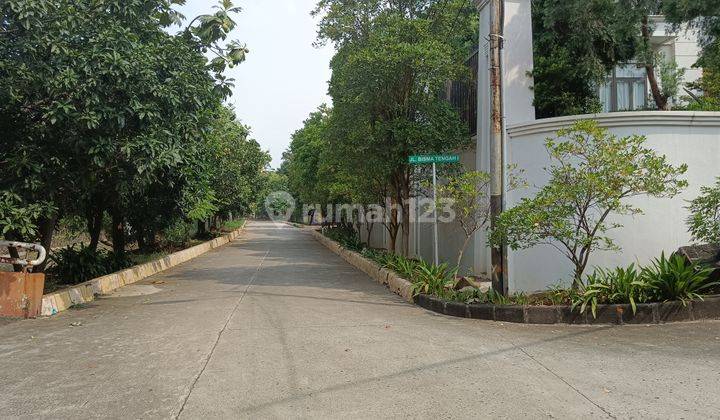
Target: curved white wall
(684, 137)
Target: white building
(627, 87)
(684, 137)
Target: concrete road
(276, 326)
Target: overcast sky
(284, 77)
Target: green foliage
(430, 279)
(704, 220)
(392, 58)
(592, 175)
(346, 237)
(674, 278)
(179, 233)
(576, 44)
(232, 225)
(73, 265)
(666, 279)
(671, 76)
(18, 217)
(701, 16)
(622, 285)
(103, 109)
(469, 194)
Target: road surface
(276, 326)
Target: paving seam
(580, 393)
(217, 340)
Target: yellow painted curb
(62, 300)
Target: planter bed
(647, 313)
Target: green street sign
(429, 159)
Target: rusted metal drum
(21, 294)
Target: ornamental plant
(704, 221)
(592, 175)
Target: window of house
(625, 89)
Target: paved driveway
(276, 326)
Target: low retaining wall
(650, 313)
(62, 300)
(381, 275)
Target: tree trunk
(201, 229)
(462, 251)
(660, 100)
(94, 224)
(405, 203)
(46, 229)
(118, 232)
(369, 228)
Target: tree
(576, 44)
(701, 16)
(704, 220)
(392, 58)
(237, 163)
(101, 106)
(468, 193)
(592, 175)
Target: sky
(285, 76)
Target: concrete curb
(647, 313)
(395, 283)
(62, 300)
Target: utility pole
(497, 159)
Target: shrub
(436, 280)
(619, 286)
(704, 221)
(675, 278)
(345, 236)
(179, 233)
(72, 265)
(592, 174)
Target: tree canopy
(392, 60)
(103, 109)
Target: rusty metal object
(42, 254)
(21, 293)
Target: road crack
(219, 335)
(571, 386)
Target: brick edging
(381, 275)
(62, 300)
(647, 313)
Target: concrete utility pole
(497, 159)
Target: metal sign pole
(435, 219)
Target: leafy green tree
(592, 175)
(304, 158)
(392, 58)
(576, 44)
(237, 163)
(704, 221)
(704, 17)
(469, 194)
(100, 105)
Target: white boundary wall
(692, 138)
